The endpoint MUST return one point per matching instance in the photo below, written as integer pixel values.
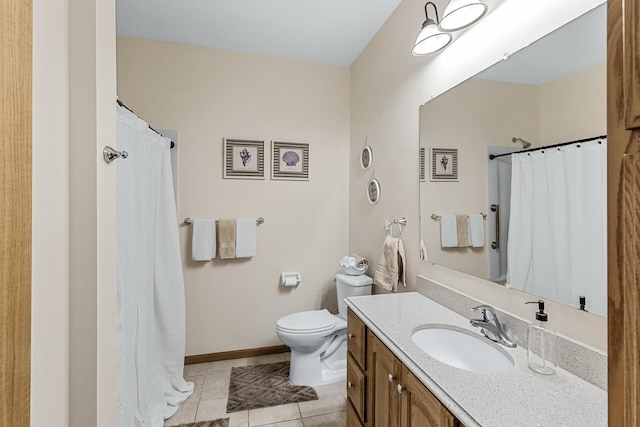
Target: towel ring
(389, 228)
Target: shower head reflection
(525, 144)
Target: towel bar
(437, 217)
(189, 221)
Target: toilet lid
(307, 322)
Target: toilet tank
(351, 286)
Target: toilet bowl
(318, 339)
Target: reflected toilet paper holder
(290, 278)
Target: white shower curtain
(151, 302)
(558, 224)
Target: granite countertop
(519, 397)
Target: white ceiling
(573, 47)
(324, 31)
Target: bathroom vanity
(393, 382)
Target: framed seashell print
(243, 159)
(444, 164)
(290, 160)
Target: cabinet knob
(349, 384)
(350, 336)
(400, 389)
(391, 378)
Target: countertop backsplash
(584, 361)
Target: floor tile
(273, 414)
(217, 408)
(224, 366)
(337, 419)
(215, 387)
(269, 358)
(195, 370)
(186, 414)
(324, 405)
(292, 423)
(197, 389)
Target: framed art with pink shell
(290, 160)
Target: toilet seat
(307, 322)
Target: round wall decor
(373, 191)
(366, 157)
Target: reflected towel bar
(189, 221)
(437, 217)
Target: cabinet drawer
(356, 338)
(356, 386)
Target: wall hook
(109, 154)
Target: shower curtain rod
(493, 156)
(120, 103)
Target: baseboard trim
(235, 354)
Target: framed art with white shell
(290, 160)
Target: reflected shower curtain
(558, 224)
(151, 302)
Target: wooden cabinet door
(383, 373)
(420, 408)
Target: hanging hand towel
(245, 238)
(203, 244)
(476, 230)
(391, 267)
(423, 251)
(227, 238)
(448, 231)
(462, 229)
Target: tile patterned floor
(209, 400)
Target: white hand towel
(245, 238)
(448, 231)
(203, 246)
(476, 230)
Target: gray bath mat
(221, 422)
(260, 386)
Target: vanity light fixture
(430, 39)
(460, 14)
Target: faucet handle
(488, 312)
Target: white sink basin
(462, 349)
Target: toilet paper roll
(290, 279)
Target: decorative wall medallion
(373, 191)
(290, 160)
(243, 159)
(444, 164)
(366, 157)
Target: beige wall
(50, 218)
(568, 112)
(389, 85)
(209, 94)
(73, 298)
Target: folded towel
(227, 238)
(360, 262)
(448, 231)
(476, 230)
(391, 267)
(203, 243)
(462, 229)
(245, 238)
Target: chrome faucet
(491, 326)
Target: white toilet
(318, 339)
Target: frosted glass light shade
(430, 40)
(461, 14)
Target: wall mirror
(551, 92)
